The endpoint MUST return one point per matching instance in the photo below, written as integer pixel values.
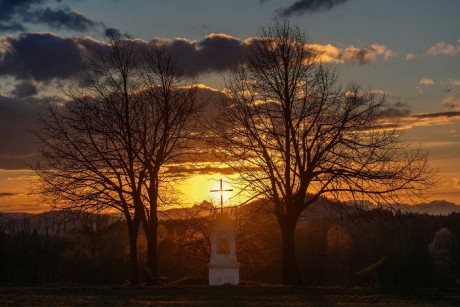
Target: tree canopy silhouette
(295, 134)
(106, 149)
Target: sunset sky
(408, 49)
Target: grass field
(195, 295)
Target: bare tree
(169, 129)
(88, 150)
(106, 149)
(295, 135)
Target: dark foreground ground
(195, 295)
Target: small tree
(442, 251)
(295, 135)
(338, 247)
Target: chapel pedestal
(223, 266)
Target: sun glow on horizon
(226, 191)
(197, 188)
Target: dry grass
(196, 295)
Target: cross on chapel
(221, 191)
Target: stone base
(224, 276)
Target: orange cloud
(411, 56)
(401, 119)
(452, 98)
(426, 82)
(456, 183)
(326, 53)
(440, 48)
(429, 119)
(331, 53)
(443, 48)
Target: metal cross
(221, 191)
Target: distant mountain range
(436, 207)
(321, 209)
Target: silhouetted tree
(105, 149)
(169, 126)
(89, 151)
(442, 250)
(295, 135)
(338, 247)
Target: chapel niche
(223, 245)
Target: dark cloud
(308, 6)
(437, 115)
(396, 110)
(216, 47)
(11, 27)
(23, 89)
(215, 53)
(427, 119)
(14, 14)
(6, 194)
(200, 169)
(112, 33)
(361, 56)
(63, 19)
(47, 56)
(18, 118)
(44, 56)
(10, 9)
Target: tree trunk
(291, 272)
(133, 230)
(151, 234)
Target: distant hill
(436, 207)
(321, 209)
(198, 210)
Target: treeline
(380, 249)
